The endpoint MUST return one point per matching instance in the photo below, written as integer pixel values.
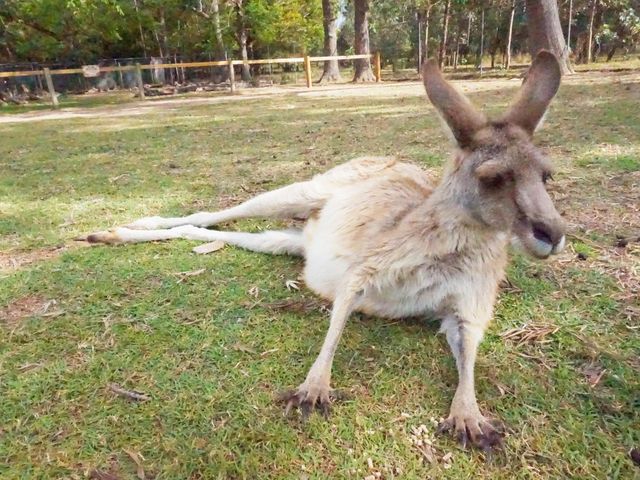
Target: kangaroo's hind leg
(270, 241)
(297, 200)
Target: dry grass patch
(25, 307)
(16, 259)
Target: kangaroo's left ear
(461, 116)
(540, 86)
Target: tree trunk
(242, 37)
(569, 26)
(445, 28)
(545, 31)
(426, 32)
(419, 62)
(331, 72)
(144, 46)
(220, 51)
(481, 46)
(246, 71)
(594, 4)
(495, 43)
(510, 36)
(10, 55)
(160, 50)
(456, 54)
(363, 72)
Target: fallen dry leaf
(593, 373)
(137, 459)
(209, 247)
(254, 291)
(292, 285)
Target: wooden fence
(230, 64)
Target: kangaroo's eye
(494, 181)
(546, 176)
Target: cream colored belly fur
(348, 230)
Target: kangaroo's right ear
(462, 118)
(540, 86)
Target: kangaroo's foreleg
(316, 390)
(465, 417)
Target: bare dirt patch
(23, 308)
(13, 260)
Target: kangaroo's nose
(546, 233)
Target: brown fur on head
(500, 174)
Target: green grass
(211, 353)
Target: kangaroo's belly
(339, 238)
(390, 294)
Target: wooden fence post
(139, 81)
(378, 68)
(232, 77)
(52, 92)
(307, 70)
(120, 75)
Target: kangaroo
(382, 239)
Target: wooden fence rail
(306, 61)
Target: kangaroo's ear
(539, 87)
(462, 118)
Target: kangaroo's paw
(472, 428)
(110, 237)
(308, 397)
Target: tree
(445, 30)
(212, 14)
(545, 31)
(331, 72)
(424, 10)
(363, 72)
(594, 5)
(242, 36)
(510, 35)
(391, 26)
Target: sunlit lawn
(213, 349)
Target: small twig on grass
(130, 394)
(585, 240)
(100, 475)
(530, 333)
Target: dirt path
(383, 90)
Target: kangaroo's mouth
(537, 238)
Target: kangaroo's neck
(451, 213)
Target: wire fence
(20, 83)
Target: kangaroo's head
(499, 174)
